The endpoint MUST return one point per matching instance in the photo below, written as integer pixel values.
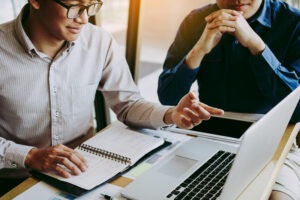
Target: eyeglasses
(75, 11)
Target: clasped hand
(232, 22)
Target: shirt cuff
(184, 71)
(16, 153)
(157, 116)
(266, 57)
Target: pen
(107, 197)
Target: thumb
(193, 96)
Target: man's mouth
(74, 30)
(239, 7)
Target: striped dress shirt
(45, 102)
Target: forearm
(146, 114)
(256, 46)
(194, 57)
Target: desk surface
(260, 188)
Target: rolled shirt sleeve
(123, 96)
(175, 82)
(13, 155)
(270, 73)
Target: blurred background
(158, 23)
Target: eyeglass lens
(76, 11)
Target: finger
(224, 29)
(61, 171)
(193, 116)
(67, 163)
(203, 113)
(212, 110)
(80, 157)
(224, 16)
(214, 15)
(73, 157)
(185, 122)
(226, 23)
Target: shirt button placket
(54, 111)
(54, 90)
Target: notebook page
(125, 142)
(100, 170)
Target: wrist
(168, 116)
(257, 46)
(29, 157)
(194, 57)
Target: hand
(210, 37)
(190, 112)
(243, 32)
(51, 159)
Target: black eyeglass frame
(68, 7)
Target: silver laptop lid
(258, 146)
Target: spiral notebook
(108, 154)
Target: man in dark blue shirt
(245, 56)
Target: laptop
(207, 169)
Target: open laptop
(207, 169)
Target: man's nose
(83, 18)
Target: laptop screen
(222, 126)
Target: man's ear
(35, 4)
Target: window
(294, 3)
(113, 18)
(10, 9)
(160, 22)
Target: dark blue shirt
(230, 77)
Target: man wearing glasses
(51, 64)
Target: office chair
(101, 121)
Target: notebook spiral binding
(105, 154)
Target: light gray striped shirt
(45, 102)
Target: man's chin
(72, 38)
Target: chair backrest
(101, 121)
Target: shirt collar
(22, 36)
(263, 16)
(20, 32)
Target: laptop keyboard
(207, 182)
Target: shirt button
(54, 89)
(14, 165)
(56, 137)
(56, 114)
(236, 42)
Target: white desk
(260, 188)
